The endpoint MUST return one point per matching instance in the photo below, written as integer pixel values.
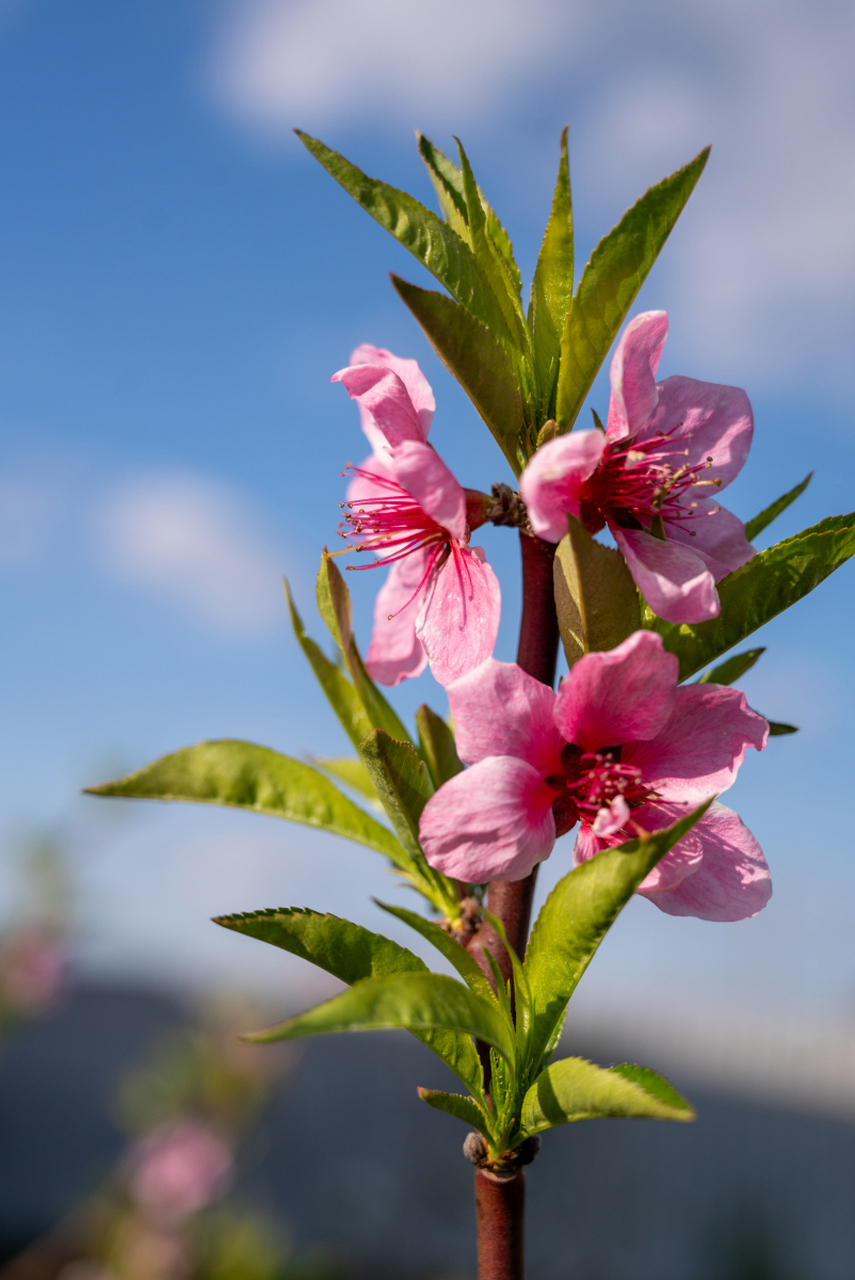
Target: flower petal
(702, 744)
(499, 709)
(387, 413)
(362, 488)
(633, 374)
(408, 371)
(618, 696)
(551, 483)
(675, 582)
(395, 652)
(732, 880)
(704, 420)
(715, 536)
(491, 822)
(421, 471)
(459, 618)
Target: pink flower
(620, 746)
(179, 1168)
(441, 600)
(32, 971)
(667, 446)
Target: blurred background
(178, 281)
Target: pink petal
(700, 748)
(626, 693)
(419, 469)
(732, 880)
(491, 822)
(552, 481)
(459, 618)
(708, 420)
(410, 374)
(611, 820)
(633, 374)
(387, 413)
(674, 581)
(500, 710)
(715, 536)
(395, 652)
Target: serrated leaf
(618, 267)
(448, 184)
(426, 236)
(414, 1001)
(552, 287)
(595, 596)
(402, 782)
(457, 955)
(475, 358)
(241, 775)
(770, 513)
(454, 1104)
(341, 694)
(334, 606)
(577, 915)
(770, 582)
(574, 1089)
(437, 746)
(778, 730)
(731, 670)
(350, 770)
(351, 953)
(655, 1084)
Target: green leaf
(494, 268)
(618, 267)
(437, 746)
(402, 782)
(455, 1104)
(770, 582)
(342, 696)
(595, 596)
(552, 287)
(472, 975)
(351, 953)
(577, 915)
(426, 236)
(334, 606)
(241, 775)
(415, 1001)
(350, 770)
(574, 1089)
(770, 513)
(448, 184)
(733, 668)
(778, 730)
(475, 358)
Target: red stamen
(590, 782)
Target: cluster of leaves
(527, 371)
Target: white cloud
(763, 270)
(193, 543)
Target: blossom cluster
(620, 749)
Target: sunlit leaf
(454, 1104)
(618, 267)
(350, 770)
(573, 1089)
(552, 287)
(457, 955)
(770, 582)
(733, 668)
(437, 746)
(342, 696)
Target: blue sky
(178, 281)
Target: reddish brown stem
(500, 1213)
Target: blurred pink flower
(178, 1168)
(441, 600)
(619, 744)
(32, 970)
(665, 447)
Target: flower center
(390, 521)
(590, 781)
(632, 490)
